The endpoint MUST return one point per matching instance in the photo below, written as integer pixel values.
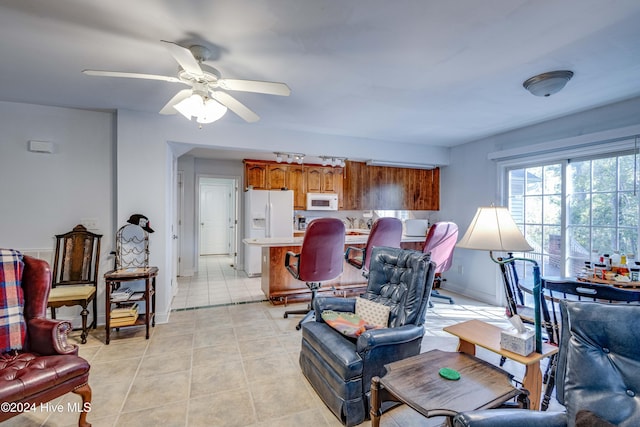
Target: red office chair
(320, 259)
(441, 240)
(385, 232)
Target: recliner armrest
(345, 305)
(510, 418)
(388, 336)
(49, 337)
(355, 256)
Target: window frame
(563, 158)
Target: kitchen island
(280, 287)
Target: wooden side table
(476, 332)
(114, 280)
(416, 382)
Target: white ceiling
(414, 71)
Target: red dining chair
(320, 259)
(440, 242)
(384, 232)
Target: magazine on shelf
(123, 321)
(125, 310)
(121, 294)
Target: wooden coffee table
(416, 382)
(476, 332)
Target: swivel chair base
(309, 313)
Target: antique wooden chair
(75, 274)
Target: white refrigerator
(268, 213)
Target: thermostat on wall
(40, 146)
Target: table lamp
(493, 229)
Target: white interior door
(215, 219)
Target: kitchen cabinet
(302, 179)
(255, 175)
(378, 187)
(324, 179)
(277, 176)
(297, 183)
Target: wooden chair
(75, 274)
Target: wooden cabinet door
(297, 184)
(255, 175)
(328, 180)
(314, 179)
(356, 186)
(277, 176)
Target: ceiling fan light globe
(211, 111)
(191, 106)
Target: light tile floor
(229, 365)
(216, 283)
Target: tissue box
(519, 343)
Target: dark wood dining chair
(75, 274)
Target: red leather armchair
(49, 366)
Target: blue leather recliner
(340, 368)
(598, 372)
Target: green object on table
(450, 374)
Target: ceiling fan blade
(185, 58)
(168, 108)
(131, 75)
(236, 106)
(271, 88)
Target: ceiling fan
(206, 99)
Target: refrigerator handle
(269, 218)
(267, 222)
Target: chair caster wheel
(286, 316)
(298, 327)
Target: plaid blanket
(13, 328)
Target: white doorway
(217, 224)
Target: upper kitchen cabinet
(278, 176)
(377, 187)
(297, 183)
(255, 175)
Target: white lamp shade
(212, 111)
(190, 106)
(493, 229)
(205, 111)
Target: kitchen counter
(280, 287)
(349, 239)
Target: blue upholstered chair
(597, 377)
(340, 368)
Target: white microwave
(322, 202)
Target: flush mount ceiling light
(546, 84)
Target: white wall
(47, 194)
(471, 181)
